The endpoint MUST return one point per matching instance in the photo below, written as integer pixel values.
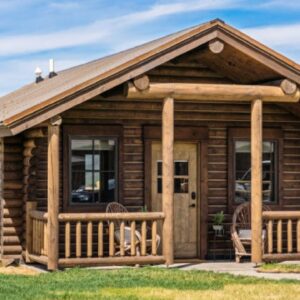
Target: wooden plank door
(185, 195)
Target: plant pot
(218, 227)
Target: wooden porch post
(256, 180)
(168, 179)
(53, 193)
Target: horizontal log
(39, 215)
(9, 249)
(30, 143)
(141, 82)
(127, 260)
(281, 257)
(217, 92)
(111, 216)
(179, 72)
(216, 46)
(39, 259)
(277, 215)
(35, 133)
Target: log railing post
(168, 179)
(29, 230)
(256, 180)
(53, 193)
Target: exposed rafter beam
(217, 92)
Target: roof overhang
(145, 62)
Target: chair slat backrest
(115, 207)
(242, 216)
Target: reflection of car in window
(243, 184)
(81, 195)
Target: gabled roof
(37, 102)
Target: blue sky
(74, 31)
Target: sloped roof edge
(79, 82)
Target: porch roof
(35, 103)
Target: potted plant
(218, 220)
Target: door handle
(193, 195)
(192, 205)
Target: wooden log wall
(218, 117)
(133, 115)
(1, 193)
(32, 142)
(12, 201)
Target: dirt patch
(18, 270)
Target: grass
(279, 268)
(144, 283)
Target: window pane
(93, 170)
(243, 171)
(82, 191)
(159, 168)
(89, 162)
(181, 168)
(181, 185)
(159, 185)
(108, 187)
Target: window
(91, 166)
(93, 170)
(181, 176)
(243, 171)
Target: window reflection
(181, 176)
(93, 174)
(243, 171)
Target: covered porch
(71, 239)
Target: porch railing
(90, 238)
(283, 235)
(98, 238)
(36, 234)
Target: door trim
(196, 135)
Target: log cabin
(176, 130)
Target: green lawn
(280, 268)
(143, 283)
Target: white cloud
(101, 30)
(279, 3)
(277, 35)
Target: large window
(91, 166)
(242, 164)
(93, 170)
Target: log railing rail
(90, 229)
(283, 235)
(90, 238)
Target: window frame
(243, 134)
(70, 132)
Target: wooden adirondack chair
(115, 207)
(241, 230)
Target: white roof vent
(38, 75)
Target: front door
(185, 195)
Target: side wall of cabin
(11, 193)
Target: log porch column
(168, 179)
(256, 180)
(53, 193)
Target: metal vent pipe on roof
(51, 68)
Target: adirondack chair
(241, 230)
(115, 207)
